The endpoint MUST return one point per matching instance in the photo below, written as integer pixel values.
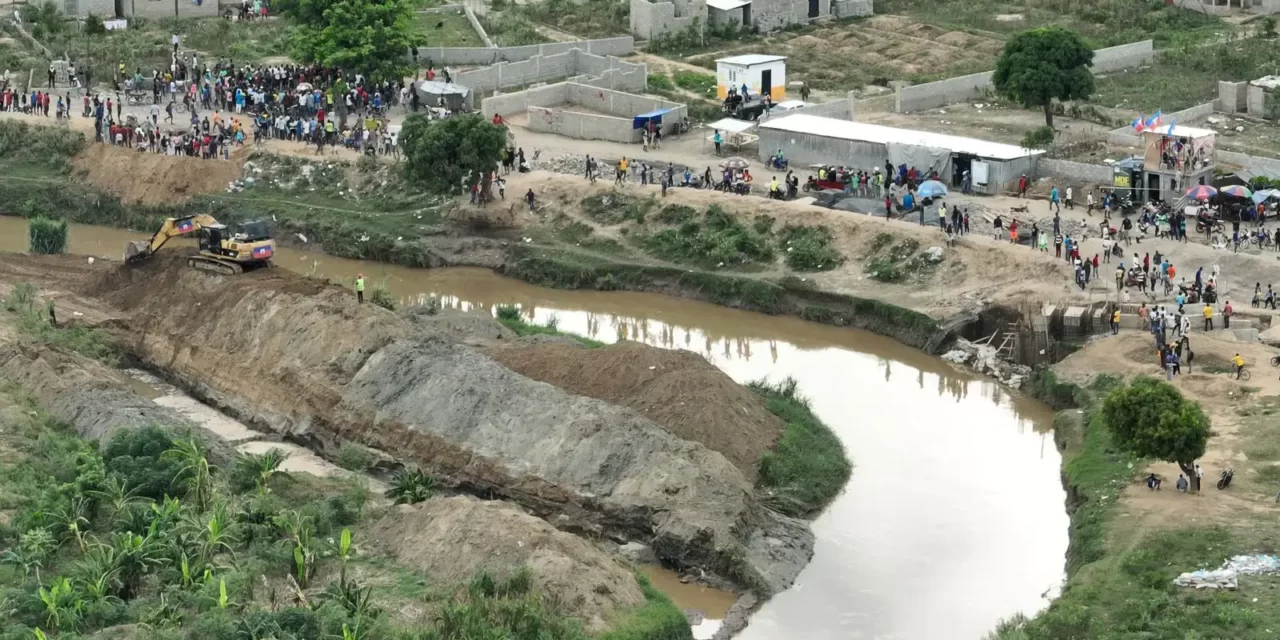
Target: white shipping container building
(762, 75)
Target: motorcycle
(1225, 480)
(740, 188)
(1209, 225)
(779, 164)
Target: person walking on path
(1070, 201)
(1208, 317)
(718, 140)
(531, 199)
(1022, 186)
(1226, 315)
(360, 288)
(1115, 321)
(1053, 200)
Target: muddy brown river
(954, 517)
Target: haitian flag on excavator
(262, 253)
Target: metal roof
(751, 59)
(731, 125)
(861, 131)
(727, 5)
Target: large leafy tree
(1041, 65)
(1150, 418)
(440, 153)
(365, 36)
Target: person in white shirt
(1070, 201)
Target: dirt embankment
(153, 178)
(591, 583)
(301, 358)
(679, 390)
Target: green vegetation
(241, 554)
(511, 29)
(717, 241)
(440, 153)
(449, 29)
(412, 486)
(808, 467)
(361, 36)
(617, 207)
(33, 321)
(1187, 74)
(1151, 419)
(1120, 572)
(1042, 65)
(354, 457)
(46, 236)
(703, 84)
(1102, 23)
(898, 262)
(809, 248)
(660, 82)
(510, 318)
(582, 18)
(1038, 138)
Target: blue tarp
(641, 121)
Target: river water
(954, 517)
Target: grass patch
(34, 322)
(510, 318)
(660, 82)
(809, 248)
(588, 20)
(703, 84)
(616, 208)
(447, 29)
(507, 29)
(45, 236)
(717, 241)
(808, 467)
(900, 262)
(657, 619)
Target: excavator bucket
(136, 251)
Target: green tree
(1150, 418)
(135, 458)
(1040, 65)
(363, 36)
(440, 153)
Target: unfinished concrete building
(655, 19)
(588, 113)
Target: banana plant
(344, 551)
(40, 635)
(300, 531)
(72, 521)
(218, 532)
(34, 547)
(195, 474)
(61, 608)
(262, 468)
(223, 600)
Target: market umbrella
(1202, 192)
(734, 162)
(304, 86)
(931, 189)
(1262, 195)
(1237, 190)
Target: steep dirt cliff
(301, 358)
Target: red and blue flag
(262, 252)
(185, 226)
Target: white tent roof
(727, 5)
(732, 125)
(861, 131)
(1183, 132)
(751, 59)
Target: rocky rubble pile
(983, 358)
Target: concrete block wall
(520, 101)
(841, 109)
(1250, 165)
(609, 72)
(81, 8)
(1125, 56)
(931, 95)
(1255, 100)
(479, 56)
(852, 8)
(618, 103)
(583, 126)
(1233, 97)
(479, 28)
(1080, 175)
(772, 15)
(651, 19)
(165, 9)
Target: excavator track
(212, 265)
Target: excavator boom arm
(172, 228)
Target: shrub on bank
(46, 236)
(510, 318)
(808, 467)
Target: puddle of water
(713, 604)
(954, 518)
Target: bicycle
(1275, 361)
(1243, 374)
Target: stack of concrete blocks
(1256, 93)
(653, 19)
(577, 65)
(1075, 322)
(1233, 97)
(61, 72)
(852, 8)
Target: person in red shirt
(1022, 186)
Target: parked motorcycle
(1225, 480)
(779, 164)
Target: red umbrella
(1202, 192)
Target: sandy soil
(722, 414)
(452, 538)
(1223, 399)
(153, 179)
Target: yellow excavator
(225, 250)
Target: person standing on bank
(360, 288)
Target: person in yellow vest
(1115, 321)
(1239, 362)
(1208, 317)
(360, 288)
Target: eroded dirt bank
(302, 359)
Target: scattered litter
(77, 314)
(1239, 129)
(302, 238)
(1228, 576)
(90, 259)
(933, 254)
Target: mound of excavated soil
(454, 538)
(153, 179)
(301, 358)
(679, 390)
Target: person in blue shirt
(908, 201)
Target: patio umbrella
(931, 189)
(734, 162)
(1202, 192)
(1262, 195)
(1237, 190)
(304, 86)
